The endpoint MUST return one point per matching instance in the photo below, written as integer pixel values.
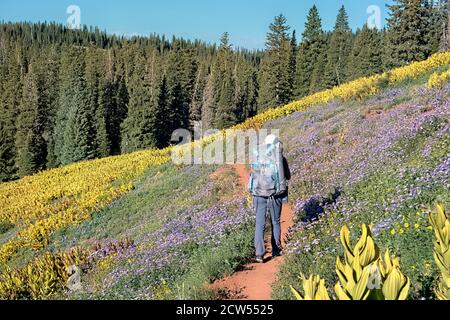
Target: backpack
(265, 177)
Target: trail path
(255, 281)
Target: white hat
(271, 139)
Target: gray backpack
(267, 178)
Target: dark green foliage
(276, 83)
(75, 124)
(409, 34)
(137, 131)
(161, 131)
(7, 169)
(31, 148)
(12, 70)
(225, 82)
(339, 50)
(366, 56)
(90, 95)
(311, 56)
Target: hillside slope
(371, 151)
(382, 161)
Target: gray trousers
(260, 205)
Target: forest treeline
(71, 95)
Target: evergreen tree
(444, 9)
(116, 116)
(11, 93)
(339, 51)
(30, 143)
(77, 132)
(48, 73)
(225, 81)
(433, 21)
(195, 111)
(293, 62)
(137, 129)
(99, 96)
(162, 132)
(65, 99)
(190, 82)
(113, 101)
(209, 103)
(246, 90)
(311, 56)
(407, 33)
(366, 56)
(180, 85)
(276, 84)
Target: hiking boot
(259, 260)
(277, 254)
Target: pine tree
(293, 62)
(311, 56)
(276, 85)
(444, 9)
(102, 117)
(11, 93)
(366, 56)
(195, 111)
(79, 131)
(407, 33)
(191, 79)
(30, 143)
(48, 72)
(226, 113)
(65, 103)
(246, 90)
(137, 129)
(162, 132)
(177, 112)
(75, 128)
(116, 116)
(339, 51)
(209, 103)
(99, 94)
(433, 20)
(7, 152)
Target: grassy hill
(375, 150)
(382, 161)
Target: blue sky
(247, 21)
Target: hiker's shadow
(316, 206)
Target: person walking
(268, 185)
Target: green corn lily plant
(440, 222)
(314, 289)
(363, 275)
(395, 284)
(354, 273)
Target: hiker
(268, 185)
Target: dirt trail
(255, 281)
